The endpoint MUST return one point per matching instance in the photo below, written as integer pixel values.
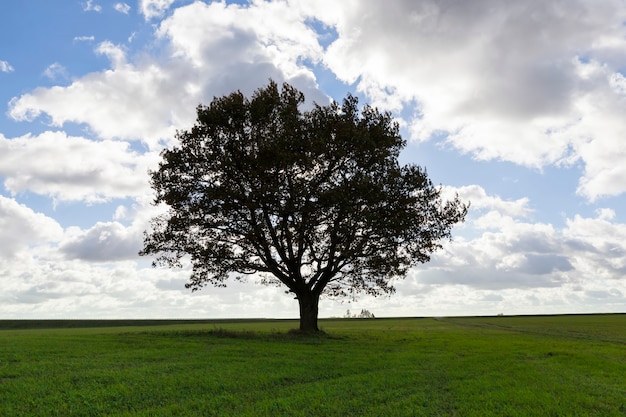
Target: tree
(313, 200)
(364, 314)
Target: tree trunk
(308, 312)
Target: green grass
(500, 366)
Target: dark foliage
(314, 200)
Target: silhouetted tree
(365, 314)
(313, 200)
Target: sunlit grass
(516, 366)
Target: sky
(519, 107)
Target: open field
(500, 366)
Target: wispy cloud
(122, 7)
(89, 6)
(55, 71)
(5, 66)
(84, 38)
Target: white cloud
(502, 263)
(112, 241)
(231, 35)
(57, 288)
(598, 139)
(533, 83)
(514, 255)
(21, 227)
(515, 268)
(115, 53)
(481, 201)
(215, 50)
(73, 168)
(122, 7)
(55, 71)
(104, 242)
(89, 6)
(84, 38)
(599, 245)
(154, 8)
(126, 102)
(5, 66)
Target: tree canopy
(313, 200)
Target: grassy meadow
(481, 366)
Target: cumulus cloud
(516, 255)
(104, 242)
(226, 44)
(57, 288)
(533, 83)
(283, 38)
(154, 8)
(5, 66)
(126, 102)
(215, 49)
(21, 227)
(516, 267)
(73, 168)
(520, 266)
(480, 200)
(598, 246)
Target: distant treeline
(74, 324)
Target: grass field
(498, 366)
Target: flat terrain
(499, 366)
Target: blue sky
(518, 108)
